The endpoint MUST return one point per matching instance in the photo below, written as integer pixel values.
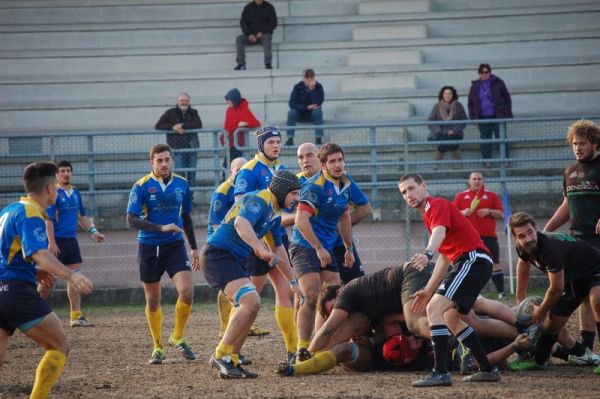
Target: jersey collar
(336, 182)
(274, 202)
(273, 165)
(32, 202)
(161, 181)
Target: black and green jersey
(581, 185)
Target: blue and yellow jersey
(256, 174)
(220, 203)
(160, 203)
(261, 210)
(22, 233)
(65, 212)
(357, 198)
(329, 199)
(302, 177)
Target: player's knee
(186, 295)
(248, 298)
(153, 303)
(310, 297)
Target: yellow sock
(224, 307)
(155, 325)
(303, 344)
(47, 373)
(182, 314)
(75, 314)
(285, 320)
(223, 350)
(321, 361)
(235, 358)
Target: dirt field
(110, 361)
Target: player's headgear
(265, 133)
(397, 350)
(282, 184)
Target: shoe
(268, 66)
(289, 141)
(597, 371)
(589, 358)
(291, 357)
(245, 361)
(157, 357)
(534, 332)
(183, 347)
(81, 322)
(467, 360)
(434, 379)
(285, 369)
(240, 67)
(303, 355)
(246, 373)
(226, 367)
(256, 331)
(484, 376)
(526, 364)
(501, 295)
(319, 141)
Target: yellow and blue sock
(47, 373)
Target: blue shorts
(348, 274)
(221, 267)
(21, 306)
(69, 251)
(257, 266)
(305, 260)
(154, 260)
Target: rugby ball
(525, 309)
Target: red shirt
(235, 115)
(461, 236)
(486, 226)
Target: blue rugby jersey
(221, 201)
(22, 233)
(65, 211)
(329, 199)
(356, 198)
(158, 203)
(260, 208)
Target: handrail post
(374, 188)
(216, 167)
(503, 151)
(407, 226)
(227, 148)
(91, 175)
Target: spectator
(305, 105)
(179, 119)
(448, 108)
(489, 99)
(238, 117)
(258, 22)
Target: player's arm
(48, 263)
(523, 269)
(327, 330)
(420, 260)
(52, 247)
(553, 294)
(247, 234)
(422, 297)
(86, 224)
(137, 223)
(499, 356)
(188, 229)
(360, 213)
(560, 217)
(345, 228)
(288, 219)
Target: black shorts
(463, 283)
(491, 243)
(221, 267)
(257, 266)
(21, 306)
(69, 251)
(154, 260)
(305, 260)
(348, 274)
(592, 239)
(575, 292)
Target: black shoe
(289, 141)
(245, 361)
(240, 67)
(246, 373)
(303, 355)
(318, 141)
(434, 379)
(226, 368)
(484, 376)
(268, 66)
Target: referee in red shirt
(448, 295)
(482, 208)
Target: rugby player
(160, 206)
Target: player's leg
(284, 310)
(343, 352)
(76, 315)
(154, 317)
(258, 270)
(309, 283)
(4, 338)
(587, 323)
(356, 325)
(492, 245)
(224, 306)
(495, 309)
(183, 308)
(490, 327)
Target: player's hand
(53, 248)
(170, 228)
(80, 283)
(598, 227)
(242, 124)
(484, 212)
(196, 260)
(264, 254)
(420, 300)
(349, 259)
(252, 38)
(44, 278)
(98, 237)
(419, 261)
(467, 211)
(538, 316)
(324, 257)
(522, 342)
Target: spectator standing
(489, 99)
(238, 117)
(258, 22)
(179, 119)
(447, 109)
(305, 106)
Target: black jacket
(257, 18)
(190, 120)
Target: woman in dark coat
(448, 108)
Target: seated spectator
(258, 22)
(448, 109)
(489, 99)
(305, 105)
(177, 120)
(238, 120)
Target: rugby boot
(245, 361)
(246, 373)
(226, 367)
(485, 376)
(303, 355)
(434, 379)
(256, 331)
(81, 322)
(291, 357)
(285, 369)
(183, 347)
(525, 364)
(589, 358)
(157, 357)
(467, 360)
